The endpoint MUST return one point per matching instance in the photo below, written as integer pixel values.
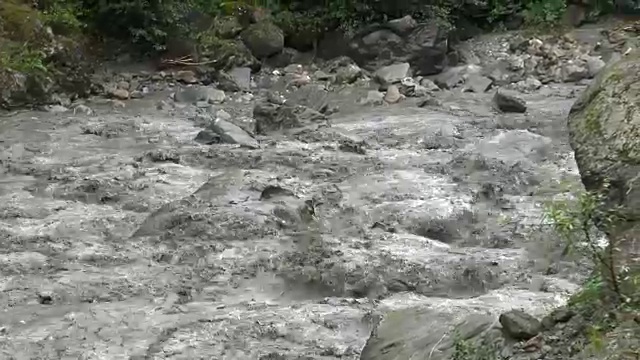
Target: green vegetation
(612, 294)
(467, 350)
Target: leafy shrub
(544, 12)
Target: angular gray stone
(373, 98)
(418, 333)
(477, 83)
(519, 325)
(233, 134)
(507, 102)
(242, 77)
(393, 73)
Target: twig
(436, 345)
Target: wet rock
(272, 191)
(313, 96)
(424, 48)
(186, 77)
(442, 138)
(417, 333)
(373, 98)
(392, 95)
(507, 102)
(348, 74)
(190, 95)
(56, 109)
(559, 315)
(208, 137)
(293, 69)
(232, 134)
(429, 85)
(227, 82)
(455, 76)
(575, 14)
(242, 77)
(82, 109)
(119, 94)
(403, 25)
(594, 65)
(528, 85)
(215, 96)
(271, 117)
(392, 74)
(409, 87)
(264, 39)
(603, 122)
(519, 325)
(429, 101)
(574, 72)
(477, 83)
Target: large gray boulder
(604, 131)
(422, 333)
(423, 46)
(264, 39)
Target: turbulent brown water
(123, 238)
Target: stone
(242, 77)
(574, 73)
(186, 77)
(455, 76)
(604, 133)
(424, 48)
(477, 83)
(409, 87)
(232, 134)
(519, 325)
(393, 73)
(421, 333)
(429, 85)
(373, 98)
(348, 74)
(191, 95)
(221, 114)
(575, 15)
(403, 25)
(120, 94)
(594, 65)
(263, 39)
(293, 69)
(270, 117)
(507, 102)
(208, 137)
(313, 96)
(393, 95)
(528, 85)
(215, 96)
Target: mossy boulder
(225, 53)
(264, 39)
(227, 27)
(604, 131)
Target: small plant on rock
(612, 294)
(468, 350)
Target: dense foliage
(150, 22)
